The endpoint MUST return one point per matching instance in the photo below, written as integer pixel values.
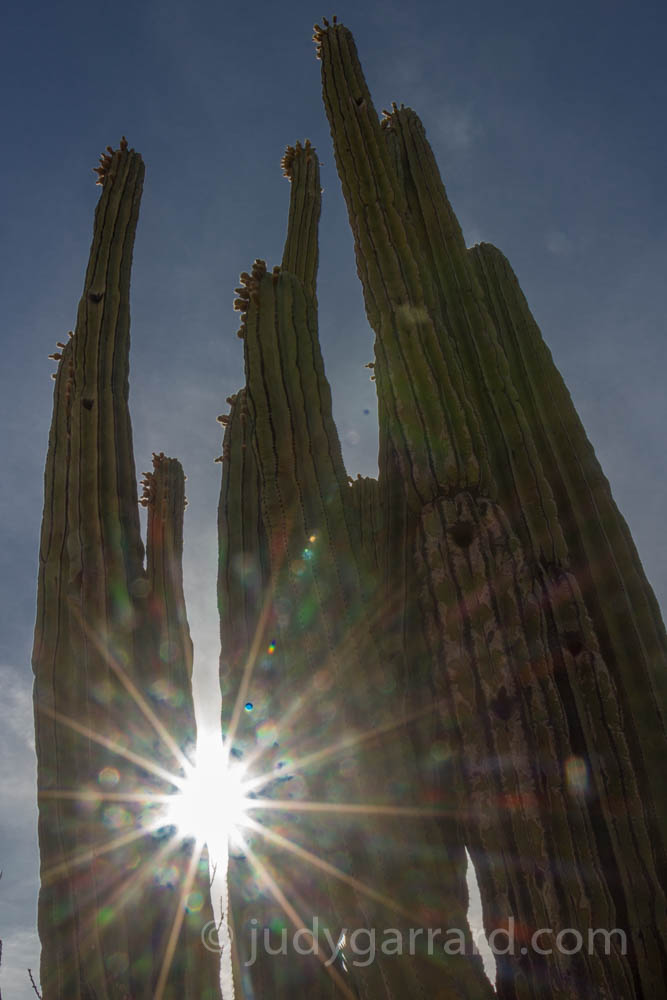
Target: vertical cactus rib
(101, 911)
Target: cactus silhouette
(112, 662)
(463, 654)
(485, 586)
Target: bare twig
(33, 985)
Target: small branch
(33, 985)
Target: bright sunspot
(212, 801)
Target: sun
(211, 801)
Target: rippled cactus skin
(107, 627)
(519, 609)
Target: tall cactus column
(328, 680)
(106, 907)
(618, 596)
(511, 366)
(513, 652)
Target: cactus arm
(194, 970)
(424, 403)
(604, 558)
(164, 496)
(242, 564)
(100, 910)
(81, 509)
(580, 699)
(525, 490)
(300, 255)
(326, 632)
(516, 463)
(329, 627)
(366, 501)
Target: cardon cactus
(484, 595)
(462, 654)
(298, 610)
(112, 662)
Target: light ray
(329, 869)
(362, 808)
(355, 739)
(133, 691)
(117, 900)
(335, 658)
(295, 917)
(110, 744)
(249, 665)
(91, 795)
(88, 854)
(177, 923)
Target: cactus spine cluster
(487, 574)
(112, 662)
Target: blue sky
(547, 121)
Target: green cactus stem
(603, 556)
(328, 634)
(531, 690)
(106, 907)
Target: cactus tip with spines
(103, 171)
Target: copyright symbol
(209, 936)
